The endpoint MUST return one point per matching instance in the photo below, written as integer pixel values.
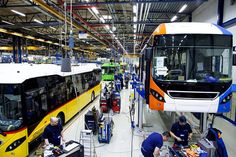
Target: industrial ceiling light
(40, 22)
(94, 9)
(107, 17)
(173, 18)
(107, 27)
(42, 40)
(17, 12)
(135, 9)
(3, 30)
(8, 22)
(29, 37)
(102, 19)
(52, 28)
(17, 34)
(183, 8)
(135, 18)
(26, 28)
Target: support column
(14, 49)
(220, 12)
(140, 112)
(203, 122)
(19, 49)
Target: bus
(234, 71)
(109, 70)
(32, 93)
(189, 68)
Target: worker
(152, 144)
(53, 132)
(181, 131)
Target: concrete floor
(120, 144)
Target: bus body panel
(108, 77)
(69, 109)
(175, 90)
(9, 139)
(210, 106)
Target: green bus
(109, 70)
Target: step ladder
(86, 139)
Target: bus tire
(92, 96)
(61, 116)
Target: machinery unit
(90, 122)
(105, 130)
(116, 102)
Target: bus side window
(234, 59)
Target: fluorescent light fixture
(63, 32)
(3, 30)
(107, 27)
(40, 22)
(8, 22)
(173, 18)
(52, 28)
(17, 34)
(110, 32)
(102, 19)
(17, 12)
(114, 28)
(49, 42)
(135, 18)
(185, 36)
(107, 17)
(94, 9)
(26, 28)
(183, 8)
(42, 40)
(29, 37)
(135, 9)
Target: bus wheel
(61, 118)
(92, 96)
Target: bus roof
(189, 28)
(110, 65)
(17, 73)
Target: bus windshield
(10, 107)
(192, 58)
(108, 70)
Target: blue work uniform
(53, 134)
(181, 132)
(149, 144)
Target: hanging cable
(65, 21)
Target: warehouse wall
(208, 12)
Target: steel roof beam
(131, 22)
(135, 1)
(18, 6)
(32, 24)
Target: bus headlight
(157, 95)
(227, 98)
(15, 144)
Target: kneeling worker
(53, 132)
(152, 144)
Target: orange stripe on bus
(153, 102)
(161, 29)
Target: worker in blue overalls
(181, 131)
(152, 144)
